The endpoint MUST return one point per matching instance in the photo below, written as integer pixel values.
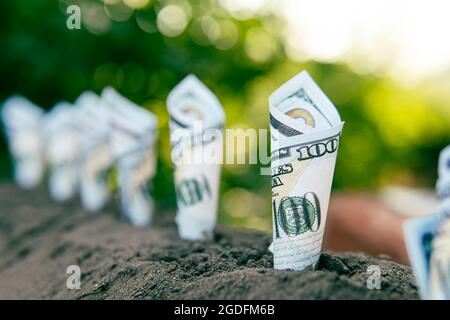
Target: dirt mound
(40, 239)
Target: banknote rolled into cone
(439, 277)
(443, 184)
(419, 234)
(95, 150)
(305, 132)
(62, 150)
(133, 136)
(428, 240)
(23, 122)
(196, 123)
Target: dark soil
(40, 239)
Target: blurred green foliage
(392, 134)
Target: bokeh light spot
(118, 12)
(259, 45)
(95, 19)
(136, 4)
(145, 21)
(131, 78)
(172, 20)
(229, 35)
(105, 75)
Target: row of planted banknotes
(80, 142)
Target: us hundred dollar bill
(133, 137)
(419, 233)
(428, 240)
(443, 184)
(439, 277)
(305, 130)
(196, 124)
(95, 150)
(62, 147)
(22, 123)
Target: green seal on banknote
(296, 215)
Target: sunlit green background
(393, 132)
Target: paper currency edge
(413, 229)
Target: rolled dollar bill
(133, 136)
(305, 130)
(444, 163)
(95, 150)
(439, 276)
(418, 235)
(62, 150)
(23, 128)
(443, 184)
(196, 124)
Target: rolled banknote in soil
(419, 233)
(62, 150)
(196, 124)
(133, 137)
(443, 184)
(95, 150)
(23, 128)
(439, 277)
(305, 130)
